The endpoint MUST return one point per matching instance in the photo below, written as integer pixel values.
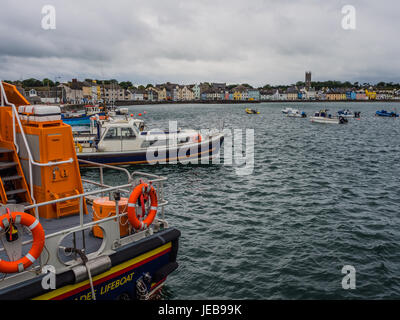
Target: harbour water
(321, 197)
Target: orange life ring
(132, 205)
(198, 138)
(38, 241)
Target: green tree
(231, 86)
(125, 84)
(47, 83)
(32, 83)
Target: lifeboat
(62, 239)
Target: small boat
(287, 110)
(346, 113)
(294, 113)
(323, 117)
(120, 141)
(251, 111)
(349, 114)
(82, 118)
(384, 113)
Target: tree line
(32, 82)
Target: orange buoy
(140, 193)
(38, 241)
(198, 138)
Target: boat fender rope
(85, 260)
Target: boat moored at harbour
(251, 111)
(324, 117)
(295, 113)
(287, 110)
(384, 113)
(120, 141)
(82, 119)
(348, 114)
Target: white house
(32, 93)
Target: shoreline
(73, 107)
(138, 103)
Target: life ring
(38, 241)
(141, 190)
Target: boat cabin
(128, 135)
(323, 114)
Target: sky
(190, 41)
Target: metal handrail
(83, 226)
(89, 193)
(102, 165)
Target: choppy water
(321, 197)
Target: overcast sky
(188, 41)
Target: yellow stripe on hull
(62, 291)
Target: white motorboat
(346, 113)
(294, 113)
(323, 117)
(124, 141)
(287, 110)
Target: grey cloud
(257, 41)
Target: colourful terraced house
(351, 95)
(253, 95)
(370, 94)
